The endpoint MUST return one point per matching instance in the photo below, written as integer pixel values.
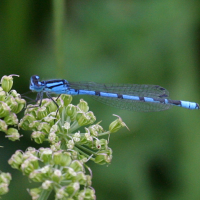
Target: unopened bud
(36, 176)
(3, 188)
(38, 137)
(47, 185)
(116, 125)
(57, 175)
(73, 187)
(2, 95)
(81, 178)
(83, 105)
(29, 165)
(12, 134)
(11, 119)
(21, 103)
(77, 166)
(7, 82)
(41, 113)
(12, 103)
(3, 126)
(5, 177)
(25, 121)
(66, 99)
(35, 193)
(103, 157)
(16, 159)
(71, 111)
(14, 93)
(87, 193)
(45, 154)
(62, 158)
(44, 127)
(4, 109)
(50, 106)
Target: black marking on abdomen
(175, 102)
(141, 98)
(120, 96)
(75, 90)
(97, 93)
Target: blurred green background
(116, 41)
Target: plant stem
(105, 133)
(85, 149)
(59, 12)
(45, 194)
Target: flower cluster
(4, 182)
(73, 137)
(55, 170)
(11, 103)
(59, 128)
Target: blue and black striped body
(135, 97)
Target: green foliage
(144, 42)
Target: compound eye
(37, 77)
(35, 84)
(35, 80)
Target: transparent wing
(132, 105)
(153, 91)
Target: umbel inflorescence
(62, 166)
(11, 104)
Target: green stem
(85, 149)
(44, 194)
(105, 133)
(74, 126)
(59, 11)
